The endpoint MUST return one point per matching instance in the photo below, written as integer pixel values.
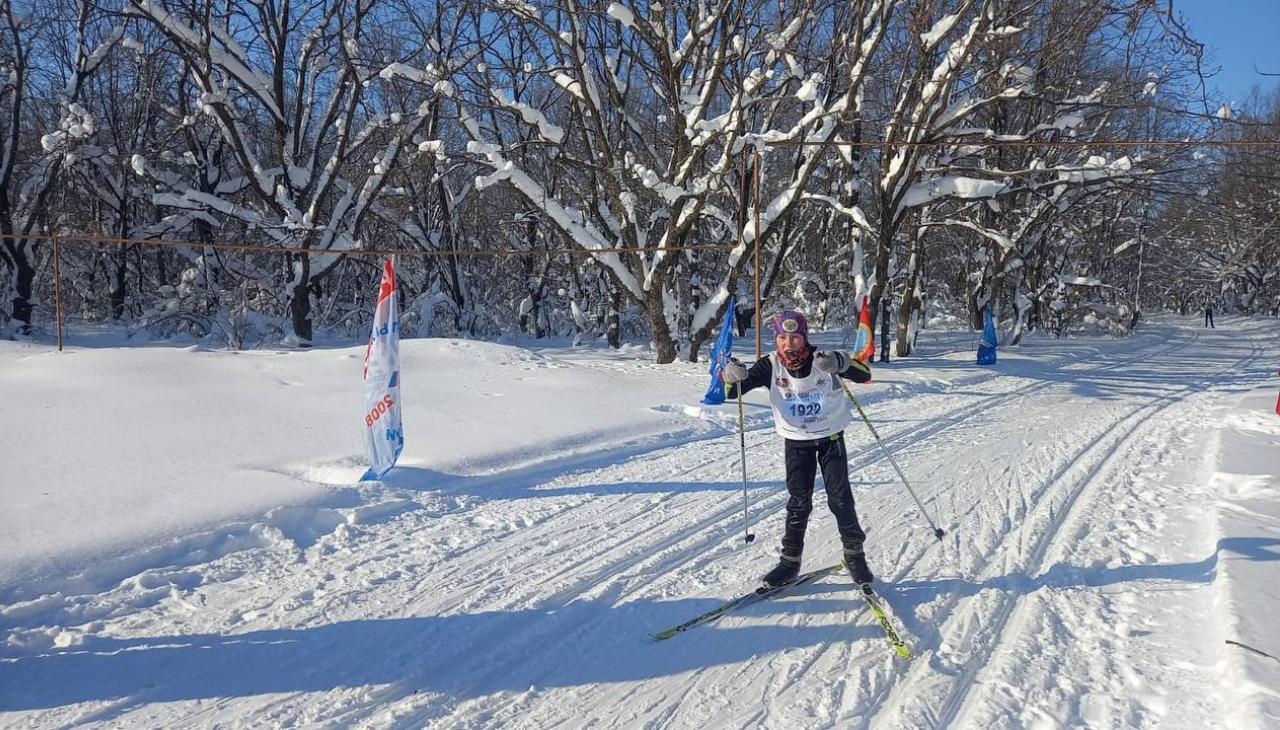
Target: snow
(1124, 246)
(535, 117)
(957, 186)
(622, 14)
(399, 69)
(433, 147)
(808, 90)
(1247, 478)
(569, 84)
(939, 29)
(183, 543)
(1078, 280)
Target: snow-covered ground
(182, 543)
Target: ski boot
(787, 570)
(856, 561)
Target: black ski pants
(803, 460)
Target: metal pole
(757, 237)
(937, 531)
(57, 290)
(747, 536)
(742, 215)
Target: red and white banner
(383, 432)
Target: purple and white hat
(790, 322)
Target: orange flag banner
(864, 345)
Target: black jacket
(761, 374)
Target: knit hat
(790, 322)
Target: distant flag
(864, 345)
(987, 346)
(383, 432)
(720, 354)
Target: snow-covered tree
(286, 87)
(37, 147)
(623, 128)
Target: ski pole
(747, 536)
(937, 531)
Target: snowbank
(1248, 479)
(129, 457)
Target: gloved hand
(831, 362)
(733, 372)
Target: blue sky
(1240, 34)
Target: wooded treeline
(487, 125)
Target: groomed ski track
(1078, 560)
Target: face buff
(791, 338)
(792, 350)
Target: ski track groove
(898, 442)
(611, 568)
(956, 703)
(1037, 387)
(960, 703)
(912, 435)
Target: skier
(810, 412)
(1208, 314)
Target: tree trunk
(300, 300)
(909, 304)
(884, 328)
(878, 289)
(119, 282)
(663, 345)
(1021, 306)
(24, 276)
(613, 328)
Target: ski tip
(664, 634)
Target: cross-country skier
(810, 412)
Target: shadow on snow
(461, 655)
(475, 654)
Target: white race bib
(807, 408)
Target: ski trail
(1047, 609)
(956, 417)
(989, 621)
(525, 599)
(730, 515)
(961, 415)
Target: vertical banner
(720, 354)
(987, 345)
(383, 433)
(864, 345)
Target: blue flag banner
(720, 354)
(383, 432)
(987, 346)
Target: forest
(612, 171)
